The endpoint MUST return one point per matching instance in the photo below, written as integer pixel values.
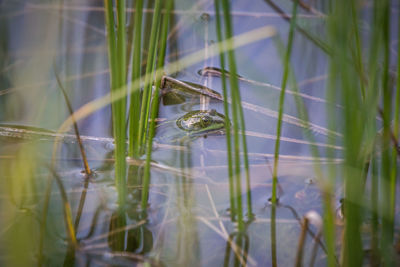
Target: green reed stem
(155, 102)
(354, 121)
(134, 110)
(244, 142)
(236, 107)
(282, 100)
(386, 204)
(373, 93)
(112, 53)
(329, 186)
(144, 111)
(117, 54)
(152, 81)
(358, 47)
(226, 109)
(393, 179)
(120, 126)
(374, 210)
(121, 45)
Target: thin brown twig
(78, 137)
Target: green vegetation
(282, 100)
(117, 62)
(155, 102)
(153, 202)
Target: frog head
(201, 121)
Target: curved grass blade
(281, 101)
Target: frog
(194, 124)
(199, 122)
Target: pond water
(188, 221)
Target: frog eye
(206, 120)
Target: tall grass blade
(111, 37)
(121, 45)
(144, 111)
(237, 115)
(281, 102)
(155, 102)
(393, 180)
(134, 109)
(117, 59)
(120, 105)
(372, 100)
(354, 155)
(328, 186)
(226, 109)
(386, 204)
(358, 53)
(374, 203)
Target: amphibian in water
(201, 122)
